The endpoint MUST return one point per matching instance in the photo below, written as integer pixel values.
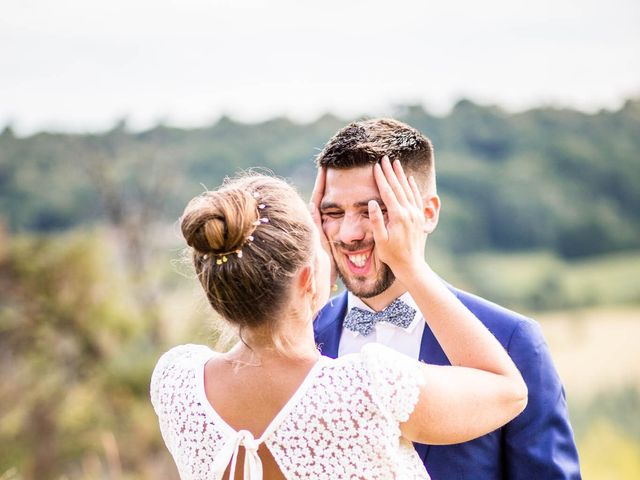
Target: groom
(539, 443)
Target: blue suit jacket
(538, 444)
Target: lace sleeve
(395, 380)
(168, 384)
(164, 374)
(159, 375)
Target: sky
(82, 65)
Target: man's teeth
(359, 260)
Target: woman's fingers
(392, 180)
(417, 196)
(315, 215)
(316, 198)
(318, 187)
(402, 179)
(380, 233)
(387, 194)
(400, 239)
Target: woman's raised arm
(483, 389)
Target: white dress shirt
(404, 340)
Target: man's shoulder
(502, 322)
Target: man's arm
(539, 443)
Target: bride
(272, 407)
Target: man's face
(345, 221)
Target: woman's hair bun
(252, 287)
(219, 222)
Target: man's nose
(352, 229)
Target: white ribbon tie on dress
(229, 453)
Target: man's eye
(332, 214)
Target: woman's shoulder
(183, 356)
(396, 379)
(174, 363)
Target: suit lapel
(431, 352)
(328, 325)
(427, 345)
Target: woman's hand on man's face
(314, 208)
(400, 239)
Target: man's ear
(431, 211)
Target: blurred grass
(607, 452)
(596, 354)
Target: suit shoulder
(502, 322)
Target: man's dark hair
(366, 142)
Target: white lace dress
(341, 423)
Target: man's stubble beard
(383, 282)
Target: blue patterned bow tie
(363, 321)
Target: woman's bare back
(249, 397)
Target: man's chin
(362, 288)
(362, 291)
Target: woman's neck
(293, 341)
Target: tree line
(553, 179)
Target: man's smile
(359, 263)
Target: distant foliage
(558, 180)
(76, 352)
